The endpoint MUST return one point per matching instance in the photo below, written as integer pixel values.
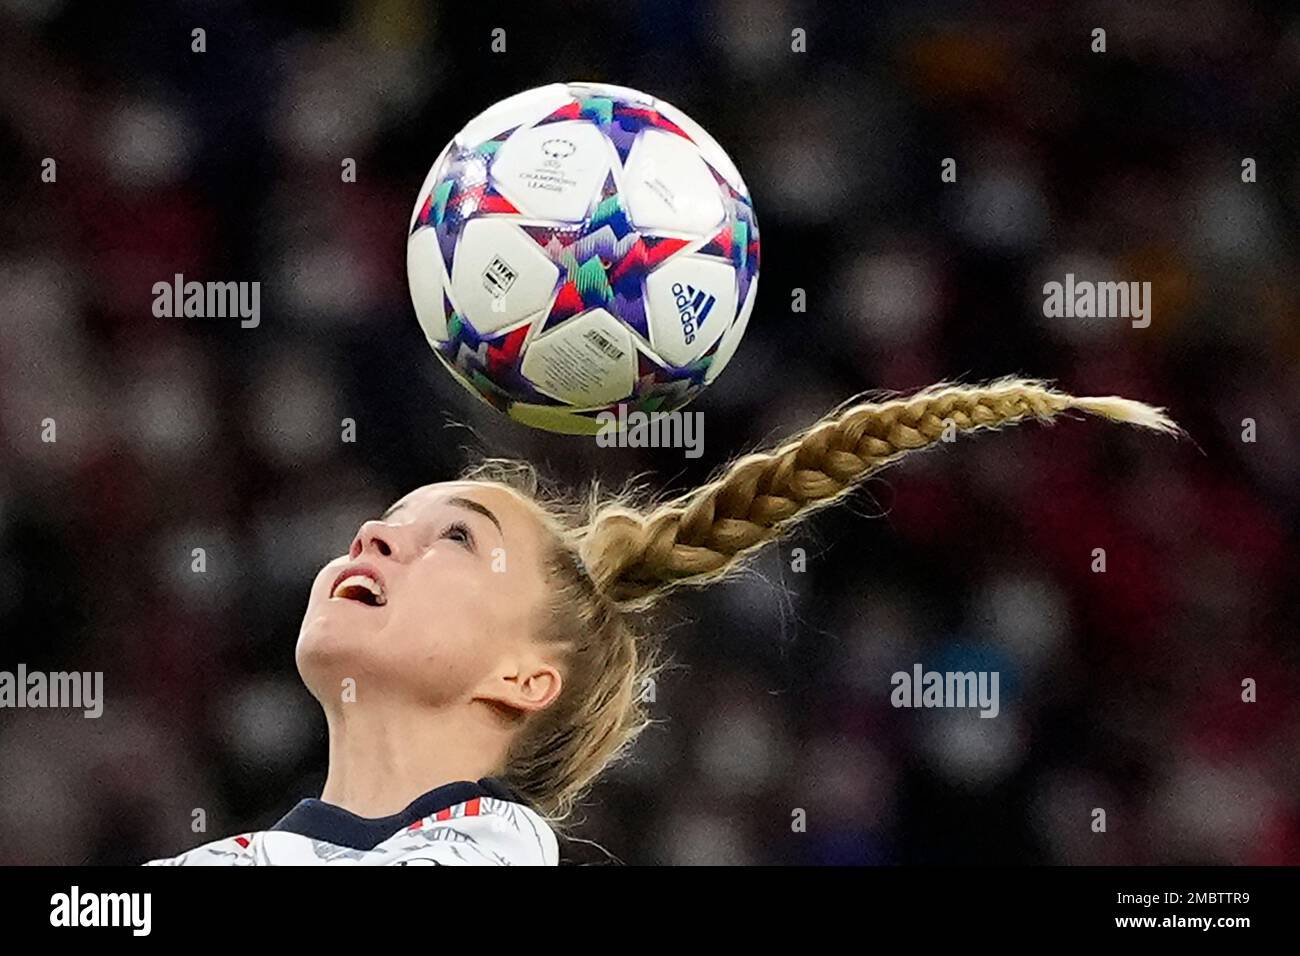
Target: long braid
(618, 555)
(700, 536)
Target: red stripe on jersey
(242, 841)
(471, 808)
(443, 814)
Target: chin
(328, 646)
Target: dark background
(1119, 690)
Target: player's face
(431, 601)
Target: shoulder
(231, 851)
(482, 831)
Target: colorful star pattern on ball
(600, 262)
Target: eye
(459, 531)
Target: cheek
(460, 627)
(441, 631)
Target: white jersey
(460, 824)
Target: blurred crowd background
(1120, 690)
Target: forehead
(503, 504)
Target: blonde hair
(614, 557)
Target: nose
(376, 537)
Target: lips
(360, 583)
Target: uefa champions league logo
(558, 149)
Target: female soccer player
(477, 652)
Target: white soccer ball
(581, 247)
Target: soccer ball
(581, 247)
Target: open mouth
(360, 584)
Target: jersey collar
(324, 821)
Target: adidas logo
(693, 307)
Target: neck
(383, 757)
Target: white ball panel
(690, 302)
(499, 276)
(667, 186)
(731, 338)
(530, 106)
(708, 146)
(588, 361)
(553, 171)
(425, 271)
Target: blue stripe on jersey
(324, 821)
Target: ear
(526, 684)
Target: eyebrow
(467, 503)
(475, 506)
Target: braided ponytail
(612, 557)
(706, 533)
